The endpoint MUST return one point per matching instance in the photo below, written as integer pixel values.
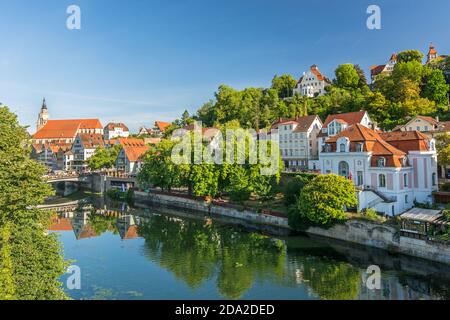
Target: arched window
(382, 181)
(405, 180)
(433, 178)
(342, 147)
(343, 169)
(381, 162)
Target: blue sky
(138, 61)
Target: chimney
(437, 119)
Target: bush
(295, 186)
(324, 200)
(240, 196)
(446, 187)
(372, 215)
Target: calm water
(128, 253)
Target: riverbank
(360, 232)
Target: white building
(84, 148)
(116, 130)
(312, 83)
(298, 142)
(433, 128)
(391, 170)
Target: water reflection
(204, 254)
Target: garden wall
(355, 231)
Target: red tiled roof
(130, 142)
(60, 224)
(314, 70)
(63, 129)
(431, 120)
(372, 142)
(303, 123)
(407, 140)
(111, 126)
(162, 126)
(91, 141)
(134, 153)
(132, 233)
(350, 118)
(376, 70)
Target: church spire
(43, 116)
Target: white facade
(388, 188)
(83, 149)
(312, 83)
(298, 142)
(116, 130)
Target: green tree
(104, 158)
(347, 77)
(31, 259)
(443, 149)
(436, 88)
(410, 55)
(185, 117)
(362, 84)
(159, 170)
(284, 85)
(294, 187)
(325, 198)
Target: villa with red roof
(312, 83)
(335, 123)
(391, 170)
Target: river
(154, 253)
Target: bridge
(66, 207)
(99, 182)
(66, 178)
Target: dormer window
(381, 162)
(405, 162)
(359, 147)
(432, 146)
(343, 144)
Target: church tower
(432, 53)
(43, 116)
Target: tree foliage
(324, 199)
(31, 259)
(443, 149)
(104, 158)
(347, 77)
(284, 85)
(210, 177)
(436, 88)
(410, 55)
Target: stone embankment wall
(355, 231)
